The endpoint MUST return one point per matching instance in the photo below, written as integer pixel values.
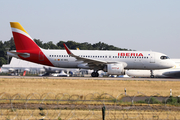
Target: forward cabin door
(152, 58)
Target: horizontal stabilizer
(17, 54)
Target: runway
(95, 78)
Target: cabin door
(152, 59)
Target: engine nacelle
(114, 69)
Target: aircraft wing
(91, 62)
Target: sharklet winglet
(67, 49)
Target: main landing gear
(152, 75)
(95, 74)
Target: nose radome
(171, 63)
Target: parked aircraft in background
(171, 72)
(17, 66)
(112, 62)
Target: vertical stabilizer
(26, 48)
(22, 39)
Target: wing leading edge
(85, 60)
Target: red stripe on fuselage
(26, 45)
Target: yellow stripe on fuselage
(17, 26)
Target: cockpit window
(164, 57)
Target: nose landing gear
(152, 75)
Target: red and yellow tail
(22, 39)
(26, 48)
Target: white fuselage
(133, 59)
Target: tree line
(9, 45)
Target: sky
(142, 25)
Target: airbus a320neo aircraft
(112, 62)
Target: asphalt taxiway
(95, 78)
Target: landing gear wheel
(152, 76)
(94, 74)
(97, 74)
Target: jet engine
(114, 69)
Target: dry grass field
(90, 115)
(26, 86)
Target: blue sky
(133, 24)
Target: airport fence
(93, 106)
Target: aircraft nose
(171, 63)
